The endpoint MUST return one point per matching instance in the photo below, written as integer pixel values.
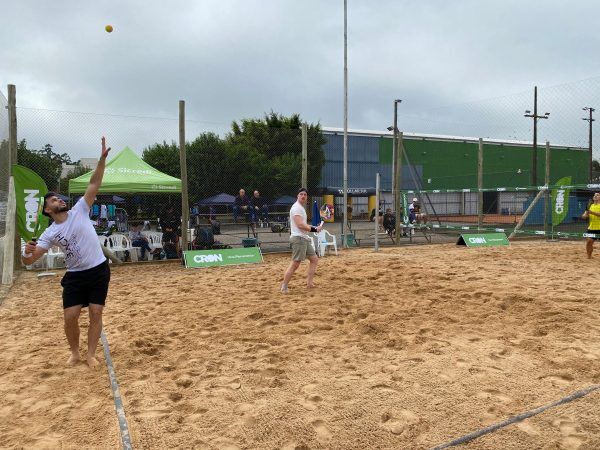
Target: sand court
(410, 347)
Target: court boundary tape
(124, 429)
(518, 418)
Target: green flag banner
(404, 208)
(29, 194)
(560, 201)
(225, 257)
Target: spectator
(241, 205)
(170, 218)
(379, 217)
(138, 239)
(260, 210)
(414, 213)
(389, 222)
(170, 243)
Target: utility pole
(396, 156)
(534, 153)
(590, 120)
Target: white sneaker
(283, 289)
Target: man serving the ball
(85, 283)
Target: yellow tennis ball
(108, 28)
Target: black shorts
(87, 286)
(596, 232)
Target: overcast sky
(461, 67)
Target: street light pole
(590, 120)
(534, 153)
(345, 207)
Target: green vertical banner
(404, 208)
(29, 194)
(560, 201)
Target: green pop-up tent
(128, 173)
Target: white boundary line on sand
(518, 418)
(125, 438)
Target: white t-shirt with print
(297, 210)
(77, 239)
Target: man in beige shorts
(300, 241)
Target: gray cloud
(233, 59)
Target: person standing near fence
(300, 242)
(592, 213)
(85, 284)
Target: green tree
(595, 171)
(267, 153)
(263, 154)
(163, 157)
(46, 163)
(77, 171)
(209, 170)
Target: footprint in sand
(399, 423)
(499, 354)
(495, 395)
(247, 412)
(323, 433)
(571, 439)
(527, 428)
(311, 401)
(558, 380)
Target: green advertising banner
(404, 208)
(29, 194)
(560, 201)
(482, 240)
(227, 257)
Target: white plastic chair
(55, 255)
(323, 242)
(154, 239)
(41, 263)
(121, 243)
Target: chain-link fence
(241, 186)
(141, 187)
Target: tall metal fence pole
(304, 156)
(185, 210)
(377, 186)
(13, 159)
(398, 177)
(480, 184)
(547, 193)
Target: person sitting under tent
(139, 240)
(170, 242)
(170, 218)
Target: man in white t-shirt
(85, 283)
(300, 241)
(414, 212)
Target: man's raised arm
(96, 179)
